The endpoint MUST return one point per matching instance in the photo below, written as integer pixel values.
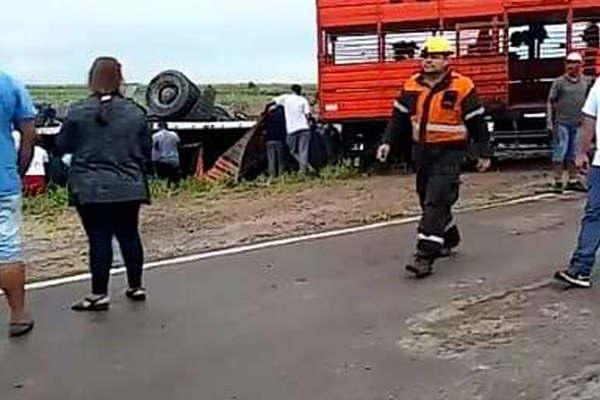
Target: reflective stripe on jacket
(438, 114)
(449, 114)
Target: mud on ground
(512, 342)
(178, 226)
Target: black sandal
(17, 329)
(101, 303)
(137, 294)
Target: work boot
(451, 242)
(421, 267)
(558, 187)
(446, 252)
(576, 186)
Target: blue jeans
(276, 156)
(584, 258)
(565, 142)
(10, 229)
(299, 145)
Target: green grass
(247, 98)
(53, 203)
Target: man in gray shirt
(165, 154)
(566, 99)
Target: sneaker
(574, 280)
(421, 268)
(137, 294)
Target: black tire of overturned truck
(171, 95)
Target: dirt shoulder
(56, 246)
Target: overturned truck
(215, 145)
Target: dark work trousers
(277, 156)
(169, 172)
(103, 221)
(438, 182)
(299, 145)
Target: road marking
(284, 242)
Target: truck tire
(171, 95)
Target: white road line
(282, 242)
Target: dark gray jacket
(110, 158)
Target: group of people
(111, 146)
(111, 155)
(288, 129)
(166, 164)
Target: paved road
(333, 319)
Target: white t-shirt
(592, 109)
(297, 110)
(165, 147)
(40, 157)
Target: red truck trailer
(512, 49)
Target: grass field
(246, 98)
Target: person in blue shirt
(16, 112)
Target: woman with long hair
(110, 143)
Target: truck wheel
(171, 94)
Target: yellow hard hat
(437, 45)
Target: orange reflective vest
(438, 114)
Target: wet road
(321, 320)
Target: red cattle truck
(512, 49)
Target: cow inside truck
(512, 50)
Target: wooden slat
(345, 16)
(411, 10)
(352, 92)
(453, 9)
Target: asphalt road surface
(332, 319)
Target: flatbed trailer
(207, 147)
(512, 49)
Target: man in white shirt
(582, 264)
(297, 117)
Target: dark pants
(169, 172)
(584, 258)
(438, 182)
(299, 145)
(276, 154)
(103, 221)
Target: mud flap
(244, 159)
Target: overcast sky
(55, 41)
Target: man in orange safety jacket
(443, 115)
